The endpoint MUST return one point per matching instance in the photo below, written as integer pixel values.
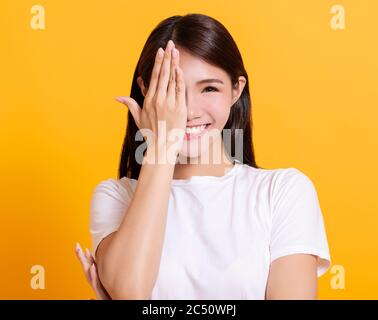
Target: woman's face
(209, 98)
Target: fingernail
(78, 248)
(160, 51)
(174, 52)
(120, 99)
(87, 252)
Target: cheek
(219, 111)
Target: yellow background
(314, 95)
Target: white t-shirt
(222, 233)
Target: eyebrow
(210, 81)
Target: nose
(193, 110)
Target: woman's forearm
(129, 265)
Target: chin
(199, 148)
(192, 150)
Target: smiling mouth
(196, 132)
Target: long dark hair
(208, 39)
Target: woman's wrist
(163, 153)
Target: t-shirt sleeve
(297, 220)
(108, 206)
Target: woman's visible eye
(213, 89)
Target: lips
(196, 131)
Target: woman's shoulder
(113, 183)
(118, 189)
(272, 175)
(276, 182)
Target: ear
(141, 85)
(238, 89)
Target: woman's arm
(128, 260)
(293, 277)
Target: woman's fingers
(171, 94)
(133, 106)
(82, 258)
(89, 256)
(94, 281)
(84, 261)
(155, 74)
(180, 88)
(89, 267)
(91, 262)
(100, 291)
(164, 74)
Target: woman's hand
(164, 108)
(90, 271)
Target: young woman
(207, 222)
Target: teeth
(197, 129)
